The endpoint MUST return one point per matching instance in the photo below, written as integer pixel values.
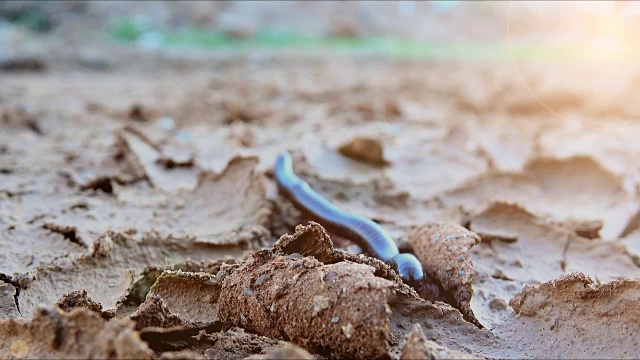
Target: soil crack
(69, 232)
(9, 280)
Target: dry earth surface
(139, 217)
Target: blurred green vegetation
(33, 20)
(129, 30)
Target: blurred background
(539, 30)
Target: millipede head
(410, 270)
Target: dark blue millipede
(364, 231)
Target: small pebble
(331, 276)
(497, 304)
(247, 291)
(462, 272)
(166, 123)
(262, 278)
(183, 136)
(335, 319)
(436, 237)
(517, 263)
(452, 237)
(348, 330)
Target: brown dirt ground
(139, 217)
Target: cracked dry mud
(139, 217)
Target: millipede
(367, 233)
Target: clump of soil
(365, 150)
(444, 248)
(79, 299)
(154, 313)
(573, 309)
(80, 333)
(318, 306)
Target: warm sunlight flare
(609, 42)
(582, 31)
(414, 179)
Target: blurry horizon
(556, 30)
